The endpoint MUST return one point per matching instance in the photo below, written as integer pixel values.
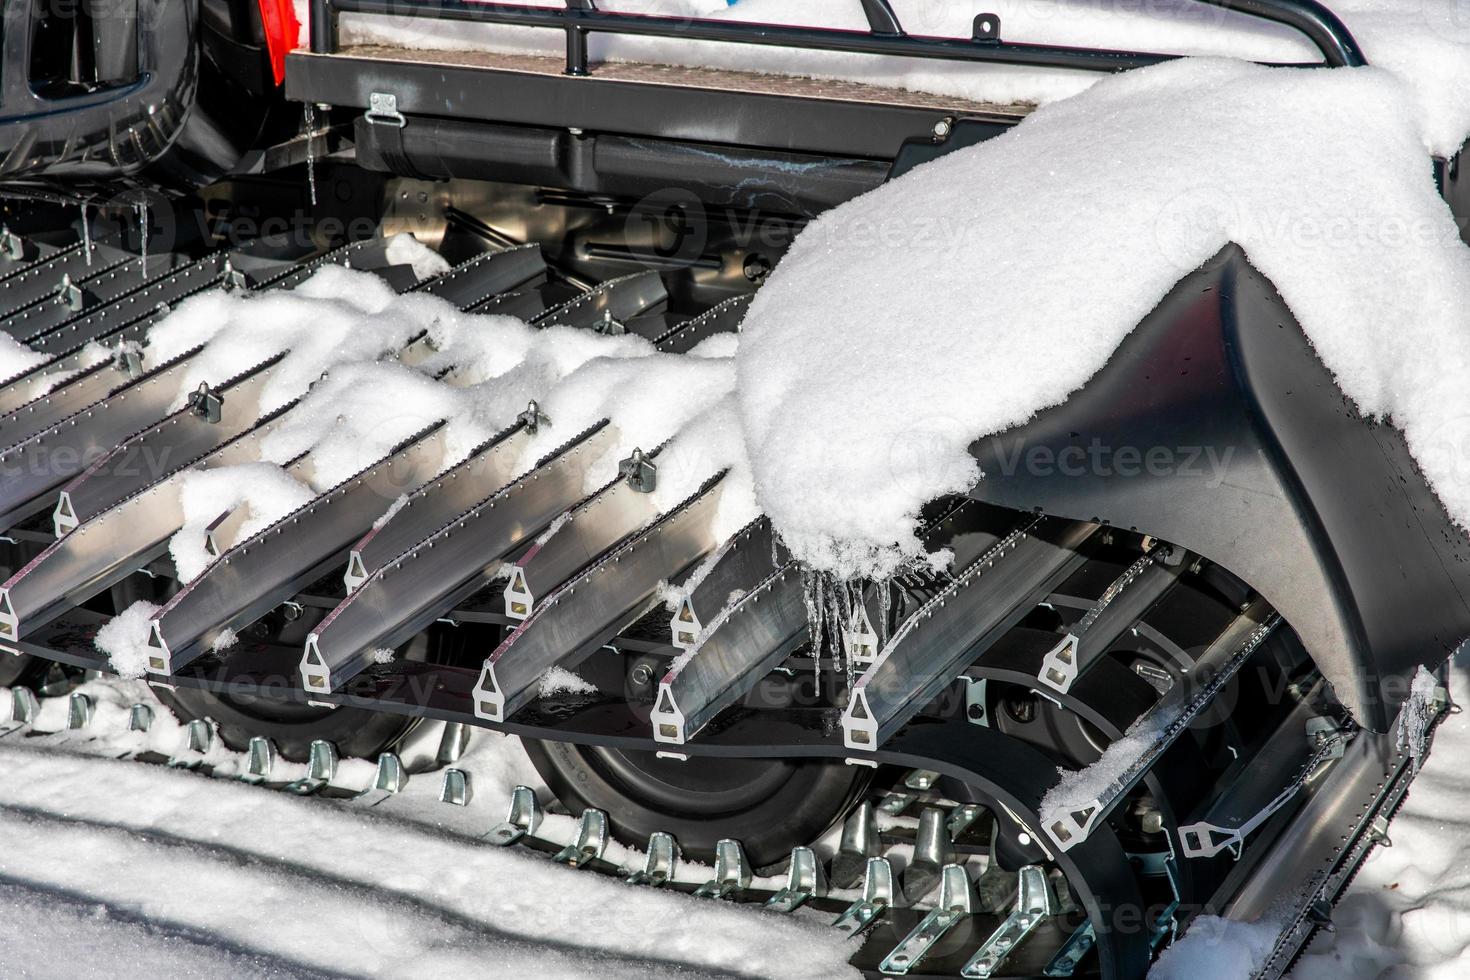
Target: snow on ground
(172, 873)
(113, 865)
(993, 282)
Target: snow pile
(124, 639)
(404, 249)
(1425, 42)
(992, 283)
(559, 680)
(1217, 949)
(16, 358)
(337, 316)
(267, 492)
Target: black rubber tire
(769, 805)
(357, 732)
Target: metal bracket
(590, 843)
(804, 881)
(78, 712)
(857, 847)
(956, 902)
(231, 278)
(260, 760)
(640, 472)
(205, 403)
(456, 788)
(659, 864)
(12, 247)
(532, 419)
(986, 28)
(977, 710)
(140, 718)
(879, 894)
(70, 295)
(523, 819)
(198, 740)
(321, 768)
(732, 873)
(383, 110)
(1033, 904)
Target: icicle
(86, 237)
(811, 588)
(885, 609)
(140, 210)
(309, 116)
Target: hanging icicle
(86, 236)
(140, 211)
(309, 118)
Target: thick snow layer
(992, 283)
(1427, 43)
(124, 638)
(648, 400)
(1217, 949)
(267, 492)
(16, 358)
(186, 875)
(404, 249)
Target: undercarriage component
(1116, 708)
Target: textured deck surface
(709, 78)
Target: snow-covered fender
(1216, 427)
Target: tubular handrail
(885, 35)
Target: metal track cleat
(198, 740)
(452, 743)
(12, 246)
(590, 843)
(23, 708)
(956, 902)
(1033, 904)
(895, 803)
(962, 818)
(260, 759)
(455, 788)
(879, 894)
(522, 821)
(921, 780)
(389, 780)
(732, 873)
(659, 863)
(321, 769)
(858, 846)
(933, 851)
(1064, 964)
(78, 712)
(804, 881)
(140, 718)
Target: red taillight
(282, 29)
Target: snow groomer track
(347, 502)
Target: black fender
(115, 129)
(1216, 427)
